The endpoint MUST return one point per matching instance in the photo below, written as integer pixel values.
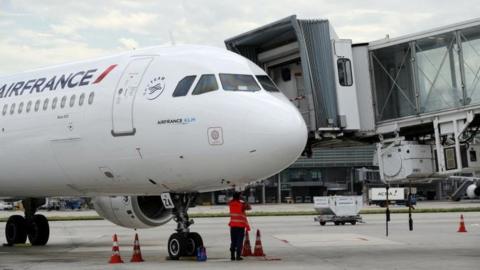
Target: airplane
(141, 133)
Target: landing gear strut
(33, 226)
(183, 242)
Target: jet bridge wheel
(16, 230)
(38, 230)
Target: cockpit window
(183, 86)
(239, 82)
(267, 83)
(206, 83)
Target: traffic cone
(247, 248)
(137, 254)
(115, 258)
(258, 252)
(462, 225)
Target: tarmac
(293, 242)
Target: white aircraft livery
(141, 133)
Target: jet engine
(133, 211)
(473, 191)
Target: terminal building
(403, 109)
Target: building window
(183, 86)
(344, 72)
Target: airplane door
(124, 97)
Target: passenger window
(183, 86)
(90, 98)
(12, 108)
(72, 101)
(37, 105)
(207, 83)
(20, 107)
(239, 82)
(54, 103)
(62, 103)
(81, 99)
(29, 106)
(45, 104)
(344, 72)
(5, 108)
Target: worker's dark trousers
(237, 234)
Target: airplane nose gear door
(124, 97)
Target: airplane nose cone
(280, 135)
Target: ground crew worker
(238, 224)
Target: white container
(338, 205)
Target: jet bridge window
(183, 86)
(267, 83)
(5, 108)
(206, 83)
(239, 82)
(345, 77)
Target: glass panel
(471, 59)
(344, 72)
(207, 83)
(267, 83)
(393, 78)
(439, 81)
(183, 86)
(239, 82)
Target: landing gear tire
(38, 230)
(177, 246)
(323, 223)
(183, 242)
(194, 241)
(16, 230)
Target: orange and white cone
(258, 252)
(137, 254)
(115, 258)
(247, 248)
(462, 228)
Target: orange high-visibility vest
(238, 218)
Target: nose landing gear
(183, 243)
(33, 226)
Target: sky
(38, 33)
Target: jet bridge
(312, 67)
(416, 96)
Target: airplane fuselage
(112, 126)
